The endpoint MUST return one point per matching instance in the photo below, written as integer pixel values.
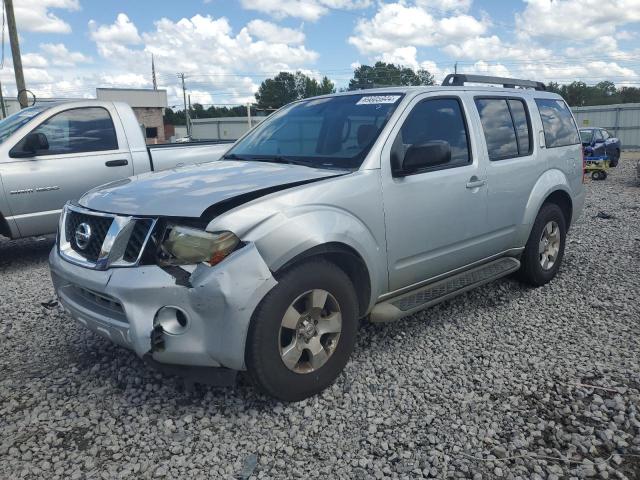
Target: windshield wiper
(279, 159)
(233, 156)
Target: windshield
(14, 121)
(586, 136)
(330, 132)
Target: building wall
(221, 128)
(151, 118)
(622, 120)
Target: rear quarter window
(557, 123)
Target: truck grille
(99, 226)
(137, 240)
(101, 240)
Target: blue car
(598, 142)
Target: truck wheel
(302, 333)
(543, 253)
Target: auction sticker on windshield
(378, 99)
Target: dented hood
(189, 191)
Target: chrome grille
(99, 228)
(114, 240)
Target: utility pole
(153, 73)
(15, 53)
(249, 115)
(4, 111)
(184, 99)
(455, 68)
(189, 113)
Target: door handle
(116, 163)
(475, 183)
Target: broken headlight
(186, 245)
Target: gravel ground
(504, 381)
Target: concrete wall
(621, 120)
(222, 128)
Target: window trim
(573, 120)
(115, 131)
(506, 98)
(466, 129)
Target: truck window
(499, 132)
(438, 119)
(79, 130)
(559, 128)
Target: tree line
(287, 87)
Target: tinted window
(521, 122)
(439, 119)
(605, 134)
(557, 122)
(324, 132)
(599, 135)
(79, 130)
(498, 127)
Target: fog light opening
(172, 320)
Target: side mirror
(426, 155)
(32, 144)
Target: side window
(79, 130)
(605, 134)
(438, 120)
(598, 136)
(557, 123)
(506, 127)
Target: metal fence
(621, 120)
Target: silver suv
(373, 204)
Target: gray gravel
(504, 382)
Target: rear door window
(559, 128)
(505, 123)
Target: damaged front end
(188, 301)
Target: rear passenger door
(435, 218)
(512, 167)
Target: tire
(269, 340)
(531, 270)
(615, 158)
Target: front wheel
(544, 251)
(303, 332)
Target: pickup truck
(374, 203)
(54, 152)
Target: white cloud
(445, 5)
(35, 15)
(396, 25)
(575, 19)
(122, 32)
(34, 60)
(310, 10)
(274, 33)
(492, 48)
(60, 55)
(206, 49)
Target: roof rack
(459, 79)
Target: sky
(226, 48)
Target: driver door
(436, 219)
(83, 152)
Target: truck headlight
(185, 245)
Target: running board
(426, 296)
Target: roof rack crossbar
(459, 79)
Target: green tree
(384, 74)
(287, 87)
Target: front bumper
(121, 304)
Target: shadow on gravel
(24, 253)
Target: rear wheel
(544, 251)
(303, 332)
(615, 158)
